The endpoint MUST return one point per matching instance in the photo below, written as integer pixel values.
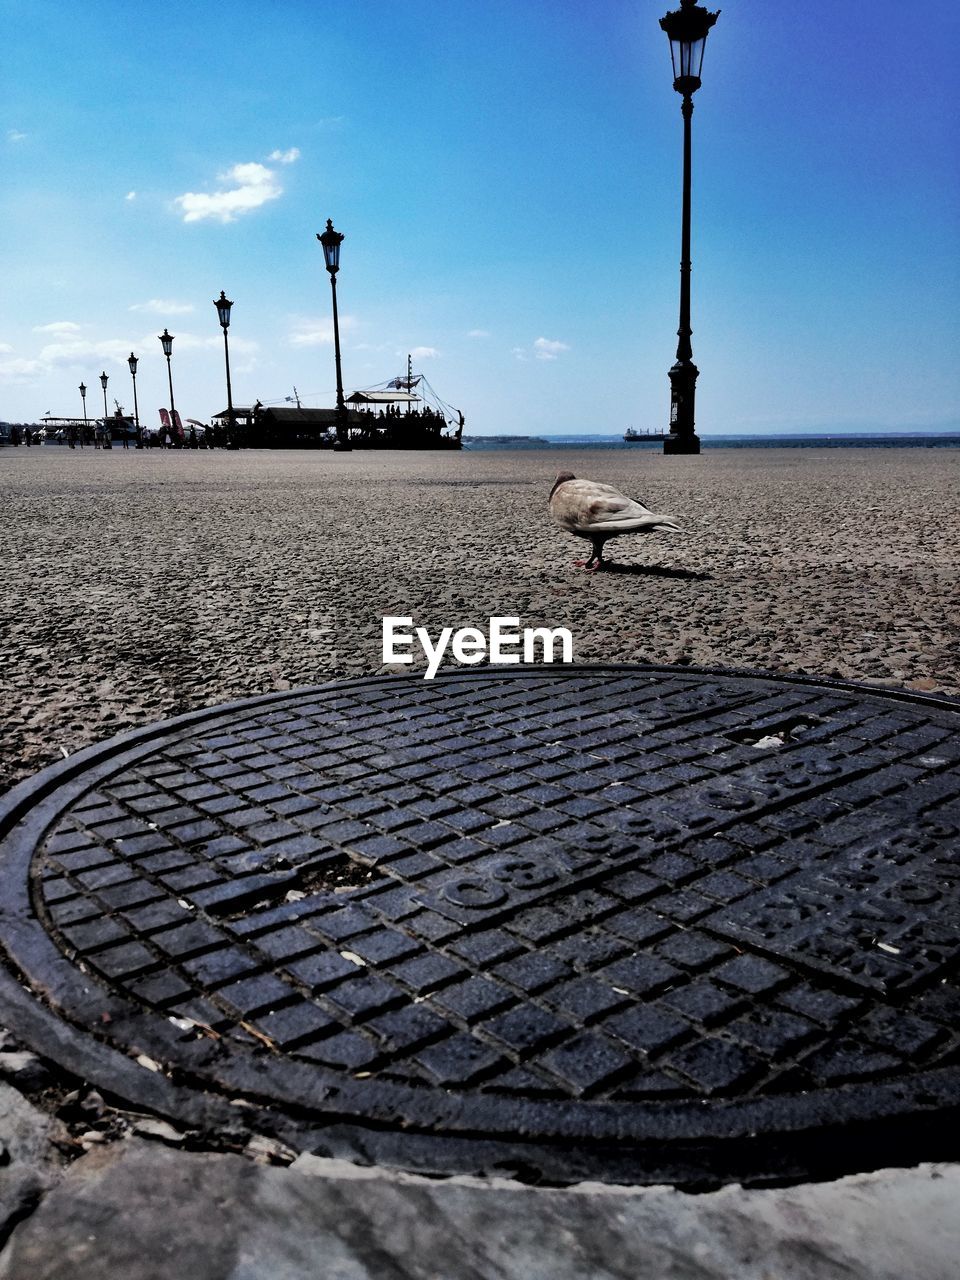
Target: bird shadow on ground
(655, 571)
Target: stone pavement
(139, 1210)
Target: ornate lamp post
(687, 29)
(107, 440)
(331, 241)
(83, 397)
(133, 362)
(223, 305)
(166, 341)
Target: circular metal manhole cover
(629, 923)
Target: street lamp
(331, 241)
(687, 29)
(166, 341)
(83, 397)
(107, 441)
(223, 305)
(133, 362)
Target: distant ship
(631, 436)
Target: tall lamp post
(83, 397)
(331, 241)
(133, 362)
(107, 440)
(223, 305)
(687, 29)
(166, 341)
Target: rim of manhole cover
(633, 923)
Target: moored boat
(402, 413)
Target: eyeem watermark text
(504, 644)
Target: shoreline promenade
(138, 587)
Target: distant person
(15, 436)
(27, 437)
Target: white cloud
(63, 327)
(285, 157)
(547, 349)
(254, 185)
(307, 331)
(542, 349)
(131, 195)
(191, 342)
(316, 335)
(424, 353)
(69, 351)
(74, 351)
(163, 307)
(20, 369)
(478, 333)
(14, 135)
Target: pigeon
(598, 512)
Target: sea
(846, 440)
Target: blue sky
(507, 175)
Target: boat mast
(409, 377)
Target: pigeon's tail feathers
(648, 522)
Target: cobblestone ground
(134, 586)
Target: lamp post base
(681, 444)
(683, 376)
(342, 446)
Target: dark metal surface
(632, 923)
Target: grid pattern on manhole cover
(617, 886)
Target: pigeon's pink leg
(595, 562)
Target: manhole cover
(631, 923)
